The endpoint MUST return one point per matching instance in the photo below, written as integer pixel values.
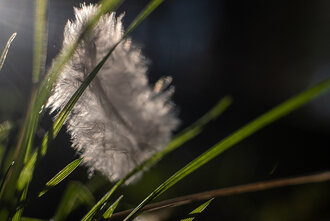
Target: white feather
(120, 120)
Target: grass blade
(192, 215)
(108, 213)
(152, 5)
(40, 39)
(60, 176)
(5, 50)
(91, 213)
(76, 194)
(242, 133)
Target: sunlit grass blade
(108, 213)
(242, 133)
(186, 135)
(66, 171)
(5, 50)
(192, 215)
(40, 39)
(27, 172)
(19, 211)
(92, 212)
(75, 195)
(152, 5)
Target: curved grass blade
(27, 172)
(242, 133)
(76, 194)
(5, 50)
(40, 39)
(108, 213)
(66, 171)
(18, 214)
(180, 139)
(91, 213)
(192, 215)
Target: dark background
(260, 52)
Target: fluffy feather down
(120, 120)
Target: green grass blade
(76, 194)
(5, 50)
(180, 139)
(192, 215)
(40, 39)
(108, 213)
(242, 133)
(91, 213)
(152, 5)
(66, 171)
(19, 212)
(27, 172)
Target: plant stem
(246, 188)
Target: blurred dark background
(260, 52)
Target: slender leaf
(91, 213)
(242, 133)
(61, 176)
(18, 214)
(5, 50)
(108, 213)
(40, 39)
(76, 194)
(152, 5)
(192, 215)
(27, 172)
